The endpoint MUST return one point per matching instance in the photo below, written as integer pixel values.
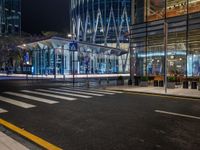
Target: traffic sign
(73, 46)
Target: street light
(69, 35)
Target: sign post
(73, 47)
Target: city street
(98, 119)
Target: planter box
(171, 85)
(155, 83)
(144, 83)
(185, 84)
(193, 85)
(120, 82)
(137, 82)
(130, 82)
(161, 83)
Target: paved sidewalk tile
(7, 143)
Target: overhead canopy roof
(57, 42)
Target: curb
(157, 94)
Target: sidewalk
(180, 92)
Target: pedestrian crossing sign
(73, 46)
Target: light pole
(165, 49)
(73, 50)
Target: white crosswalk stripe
(16, 103)
(91, 91)
(78, 92)
(3, 111)
(49, 95)
(32, 98)
(64, 93)
(104, 90)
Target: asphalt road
(121, 121)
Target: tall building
(168, 28)
(104, 22)
(101, 21)
(10, 17)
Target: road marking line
(8, 143)
(163, 96)
(3, 111)
(50, 95)
(177, 114)
(63, 93)
(32, 98)
(39, 141)
(91, 91)
(16, 103)
(78, 92)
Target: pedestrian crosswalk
(50, 96)
(32, 98)
(3, 110)
(16, 103)
(62, 93)
(78, 92)
(94, 91)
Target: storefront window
(193, 57)
(177, 46)
(155, 48)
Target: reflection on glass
(155, 9)
(194, 6)
(194, 53)
(176, 8)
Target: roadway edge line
(33, 138)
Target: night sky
(45, 15)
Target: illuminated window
(194, 6)
(176, 8)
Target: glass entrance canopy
(53, 56)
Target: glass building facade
(182, 48)
(10, 17)
(104, 22)
(54, 57)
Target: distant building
(10, 17)
(104, 22)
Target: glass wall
(183, 38)
(194, 6)
(48, 60)
(10, 17)
(155, 48)
(176, 8)
(155, 9)
(194, 45)
(177, 46)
